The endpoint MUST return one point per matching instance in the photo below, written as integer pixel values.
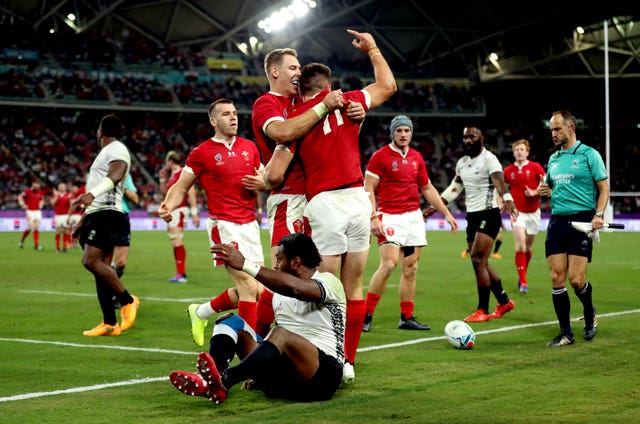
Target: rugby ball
(460, 334)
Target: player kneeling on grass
(302, 356)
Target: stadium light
(278, 18)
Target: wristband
(321, 110)
(250, 268)
(507, 197)
(373, 51)
(193, 210)
(103, 186)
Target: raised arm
(385, 84)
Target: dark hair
(213, 105)
(567, 116)
(301, 245)
(111, 126)
(314, 76)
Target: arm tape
(193, 210)
(251, 268)
(452, 191)
(321, 110)
(104, 186)
(507, 197)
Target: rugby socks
(124, 298)
(264, 312)
(66, 241)
(220, 303)
(24, 235)
(222, 349)
(353, 331)
(584, 294)
(180, 255)
(57, 237)
(529, 254)
(521, 266)
(406, 309)
(498, 292)
(372, 302)
(253, 366)
(36, 238)
(484, 293)
(105, 299)
(497, 245)
(247, 310)
(562, 306)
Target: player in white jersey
(479, 173)
(302, 357)
(102, 225)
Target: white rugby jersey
(475, 175)
(111, 200)
(322, 323)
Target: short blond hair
(276, 57)
(521, 141)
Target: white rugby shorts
(245, 237)
(340, 221)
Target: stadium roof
(425, 38)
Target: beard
(472, 149)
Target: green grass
(510, 376)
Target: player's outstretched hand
(362, 40)
(229, 254)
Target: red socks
(180, 254)
(372, 302)
(264, 313)
(248, 312)
(222, 302)
(406, 309)
(521, 266)
(355, 319)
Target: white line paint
(155, 299)
(82, 389)
(158, 350)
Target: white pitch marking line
(156, 299)
(155, 379)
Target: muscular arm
(277, 167)
(176, 194)
(277, 281)
(385, 84)
(497, 178)
(432, 196)
(289, 130)
(371, 184)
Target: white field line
(157, 350)
(155, 299)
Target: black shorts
(125, 235)
(283, 382)
(487, 222)
(103, 229)
(563, 238)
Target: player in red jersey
(339, 209)
(523, 177)
(271, 126)
(169, 175)
(32, 201)
(75, 216)
(60, 201)
(283, 173)
(396, 174)
(220, 165)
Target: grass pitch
(52, 373)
